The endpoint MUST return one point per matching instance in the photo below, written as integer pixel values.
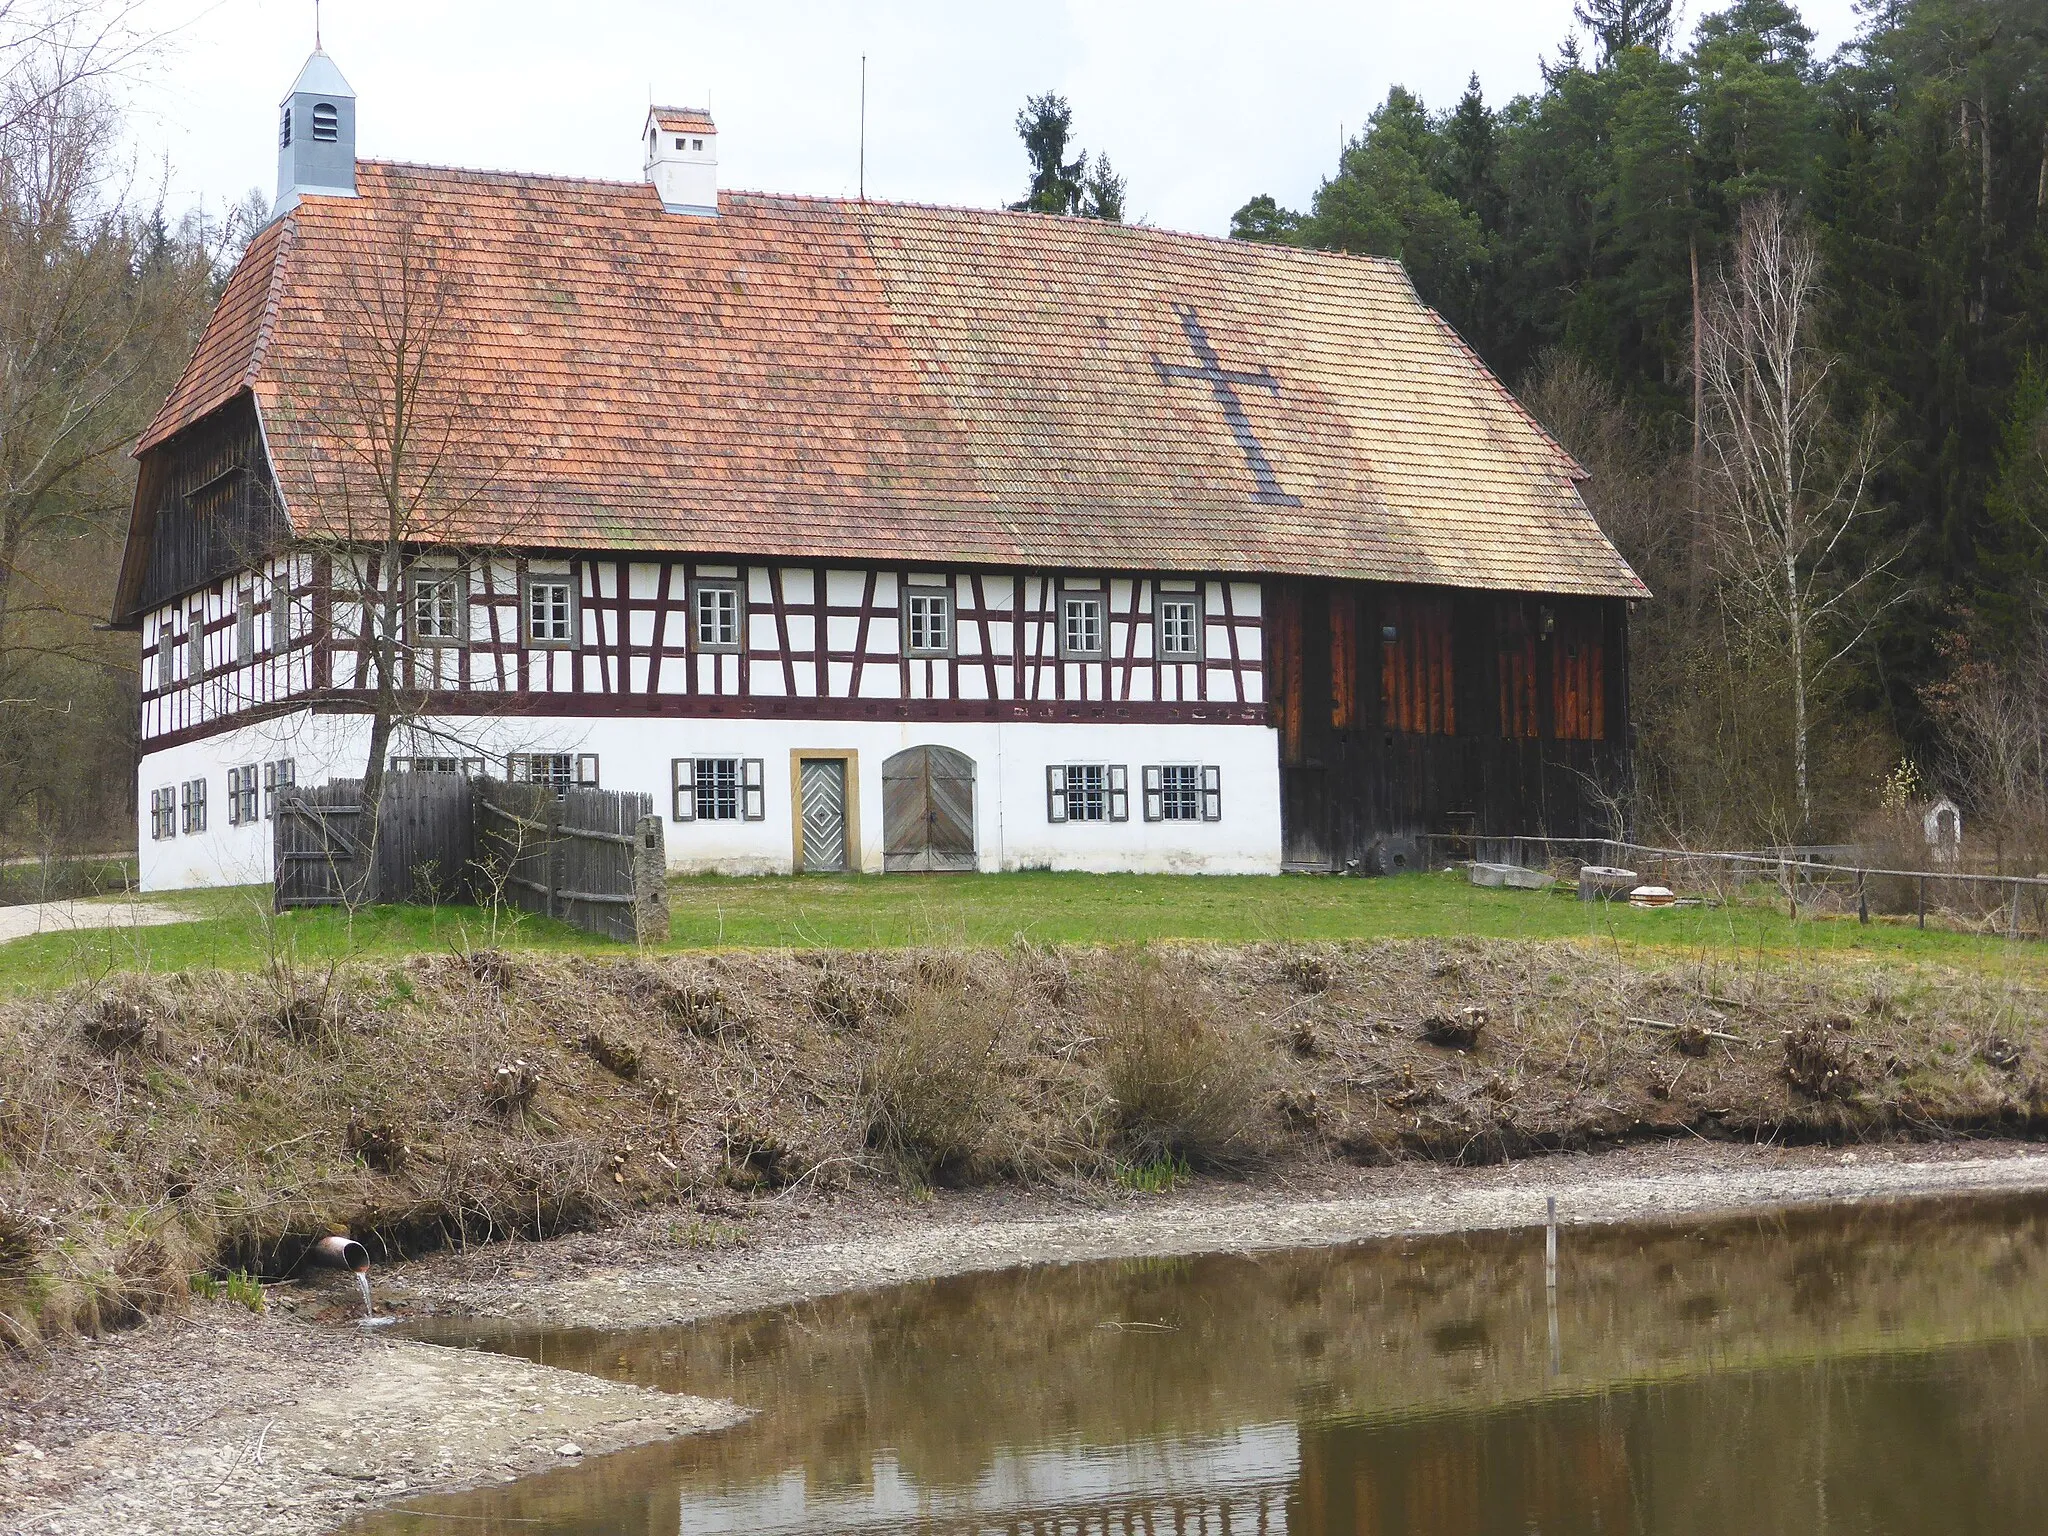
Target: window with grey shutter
(682, 789)
(1178, 624)
(1212, 793)
(277, 776)
(586, 770)
(716, 612)
(245, 626)
(1151, 781)
(437, 612)
(196, 663)
(192, 805)
(754, 789)
(1119, 793)
(1055, 792)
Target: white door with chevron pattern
(822, 786)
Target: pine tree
(1056, 182)
(1624, 24)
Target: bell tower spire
(316, 132)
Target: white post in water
(1550, 1278)
(1550, 1244)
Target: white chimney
(682, 159)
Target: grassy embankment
(422, 1090)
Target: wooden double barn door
(928, 811)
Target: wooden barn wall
(1408, 710)
(214, 511)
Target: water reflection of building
(1561, 1467)
(1232, 1485)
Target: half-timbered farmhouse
(863, 536)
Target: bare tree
(414, 475)
(1792, 484)
(100, 302)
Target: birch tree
(1793, 485)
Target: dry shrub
(1184, 1082)
(379, 1144)
(492, 967)
(1456, 1031)
(838, 1002)
(128, 1016)
(934, 1092)
(1817, 1063)
(512, 1085)
(1308, 972)
(757, 1156)
(21, 1245)
(621, 1058)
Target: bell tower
(316, 136)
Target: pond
(1869, 1369)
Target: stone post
(650, 881)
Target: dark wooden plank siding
(1486, 717)
(213, 506)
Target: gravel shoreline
(299, 1421)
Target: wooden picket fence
(446, 837)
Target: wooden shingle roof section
(808, 377)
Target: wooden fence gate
(422, 847)
(590, 857)
(568, 856)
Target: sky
(1200, 104)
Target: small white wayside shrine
(1943, 825)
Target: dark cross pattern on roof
(1224, 384)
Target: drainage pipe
(340, 1252)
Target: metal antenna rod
(316, 26)
(863, 127)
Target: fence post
(2012, 921)
(1862, 901)
(1923, 901)
(650, 882)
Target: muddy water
(1873, 1370)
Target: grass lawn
(873, 911)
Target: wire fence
(1820, 881)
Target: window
(244, 798)
(1178, 621)
(436, 608)
(1183, 792)
(467, 767)
(558, 770)
(196, 663)
(279, 775)
(717, 609)
(550, 611)
(718, 789)
(284, 132)
(326, 122)
(192, 805)
(245, 626)
(679, 143)
(928, 623)
(697, 144)
(1080, 624)
(1087, 792)
(163, 812)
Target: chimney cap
(681, 119)
(320, 77)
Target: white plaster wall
(635, 754)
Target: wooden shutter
(1155, 807)
(1416, 685)
(1516, 646)
(1578, 675)
(753, 789)
(1119, 792)
(1212, 794)
(1343, 658)
(683, 789)
(1056, 792)
(586, 770)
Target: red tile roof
(683, 120)
(808, 377)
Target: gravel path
(297, 1421)
(69, 916)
